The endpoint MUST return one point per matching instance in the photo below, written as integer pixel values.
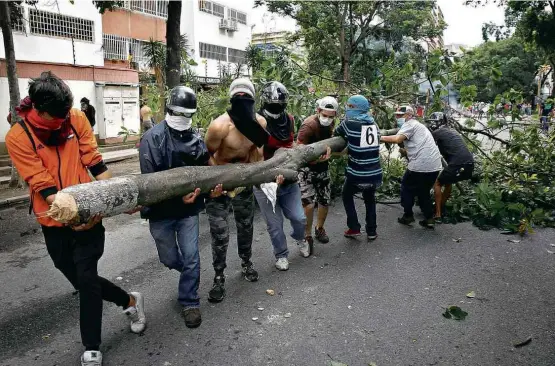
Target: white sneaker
(91, 358)
(304, 248)
(136, 314)
(282, 264)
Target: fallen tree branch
(118, 195)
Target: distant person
(363, 172)
(147, 121)
(545, 113)
(53, 147)
(423, 168)
(89, 111)
(460, 162)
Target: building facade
(100, 56)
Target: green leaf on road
(454, 312)
(335, 363)
(471, 294)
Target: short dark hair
(51, 95)
(85, 100)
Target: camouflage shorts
(315, 187)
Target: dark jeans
(416, 184)
(369, 195)
(76, 255)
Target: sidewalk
(11, 197)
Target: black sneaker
(428, 224)
(249, 273)
(321, 235)
(192, 317)
(406, 219)
(217, 293)
(372, 236)
(310, 242)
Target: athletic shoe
(352, 234)
(282, 264)
(248, 272)
(321, 235)
(428, 224)
(91, 358)
(372, 236)
(217, 293)
(136, 314)
(304, 248)
(310, 242)
(192, 317)
(405, 219)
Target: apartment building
(100, 56)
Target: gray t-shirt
(424, 156)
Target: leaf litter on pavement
(455, 313)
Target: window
(120, 48)
(18, 24)
(213, 52)
(211, 8)
(157, 8)
(57, 25)
(236, 56)
(237, 16)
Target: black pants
(369, 195)
(76, 255)
(418, 185)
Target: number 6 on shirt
(369, 136)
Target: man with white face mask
(315, 179)
(174, 223)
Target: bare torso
(229, 146)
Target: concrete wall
(31, 47)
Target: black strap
(26, 129)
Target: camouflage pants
(315, 187)
(218, 212)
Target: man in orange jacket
(53, 147)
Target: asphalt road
(354, 302)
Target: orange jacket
(52, 168)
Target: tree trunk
(11, 70)
(117, 195)
(173, 44)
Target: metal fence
(123, 48)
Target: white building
(99, 56)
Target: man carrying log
(234, 137)
(287, 203)
(53, 147)
(174, 223)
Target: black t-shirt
(452, 147)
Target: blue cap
(358, 103)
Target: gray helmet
(182, 100)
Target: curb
(12, 201)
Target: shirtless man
(234, 137)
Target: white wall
(59, 50)
(204, 27)
(79, 89)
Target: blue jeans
(177, 244)
(288, 204)
(369, 195)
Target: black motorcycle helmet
(182, 102)
(436, 120)
(274, 97)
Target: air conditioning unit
(231, 25)
(224, 24)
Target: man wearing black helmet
(174, 223)
(281, 127)
(460, 162)
(234, 137)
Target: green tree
(495, 67)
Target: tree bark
(11, 70)
(118, 195)
(173, 44)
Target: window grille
(213, 52)
(120, 48)
(237, 16)
(157, 8)
(211, 8)
(58, 25)
(18, 24)
(236, 56)
(218, 10)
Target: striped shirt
(363, 144)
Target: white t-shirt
(424, 156)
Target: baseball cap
(328, 104)
(406, 109)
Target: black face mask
(275, 108)
(243, 116)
